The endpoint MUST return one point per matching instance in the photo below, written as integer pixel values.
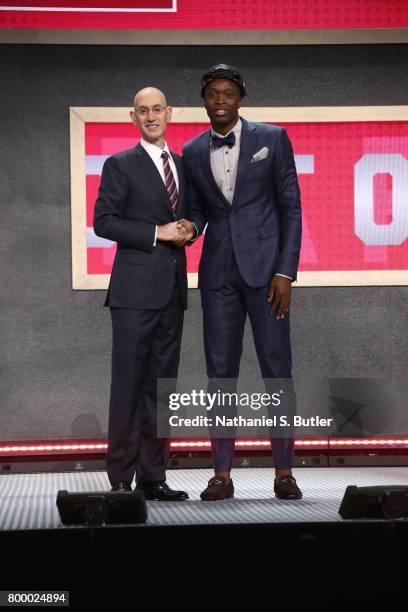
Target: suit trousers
(224, 314)
(146, 346)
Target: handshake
(178, 232)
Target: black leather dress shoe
(160, 491)
(121, 486)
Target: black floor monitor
(100, 508)
(390, 502)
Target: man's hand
(188, 227)
(279, 294)
(172, 232)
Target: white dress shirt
(155, 154)
(224, 162)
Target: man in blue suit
(243, 184)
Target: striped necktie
(170, 182)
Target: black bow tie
(218, 142)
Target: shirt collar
(237, 129)
(154, 151)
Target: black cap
(223, 71)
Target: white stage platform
(27, 501)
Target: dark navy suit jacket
(132, 200)
(263, 225)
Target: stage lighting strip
(52, 449)
(245, 444)
(16, 449)
(365, 443)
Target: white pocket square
(261, 154)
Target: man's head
(151, 114)
(222, 88)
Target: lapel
(151, 171)
(180, 172)
(248, 146)
(249, 139)
(206, 166)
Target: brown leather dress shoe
(285, 487)
(218, 488)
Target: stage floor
(27, 501)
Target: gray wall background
(55, 346)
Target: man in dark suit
(243, 183)
(141, 197)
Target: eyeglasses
(143, 111)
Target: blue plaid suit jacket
(263, 226)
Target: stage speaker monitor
(105, 508)
(390, 502)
